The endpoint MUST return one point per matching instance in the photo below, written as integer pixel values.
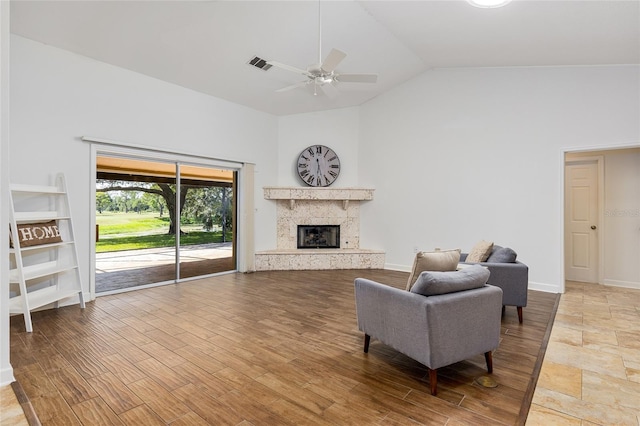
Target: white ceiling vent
(259, 63)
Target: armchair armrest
(512, 278)
(396, 317)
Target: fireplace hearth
(318, 236)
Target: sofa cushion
(439, 260)
(480, 252)
(434, 283)
(502, 255)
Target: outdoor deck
(132, 268)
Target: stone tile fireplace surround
(318, 206)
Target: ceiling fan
(323, 75)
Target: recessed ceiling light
(488, 3)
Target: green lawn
(111, 223)
(133, 231)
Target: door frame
(599, 161)
(243, 209)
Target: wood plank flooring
(268, 348)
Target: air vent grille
(259, 63)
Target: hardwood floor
(258, 349)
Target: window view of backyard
(136, 226)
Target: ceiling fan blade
(332, 60)
(293, 86)
(329, 90)
(357, 78)
(289, 68)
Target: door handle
(593, 227)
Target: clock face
(318, 165)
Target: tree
(154, 201)
(210, 205)
(103, 202)
(165, 190)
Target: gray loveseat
(435, 327)
(508, 274)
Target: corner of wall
(6, 371)
(547, 288)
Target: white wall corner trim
(6, 371)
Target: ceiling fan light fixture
(488, 3)
(323, 75)
(324, 79)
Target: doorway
(582, 212)
(616, 220)
(160, 221)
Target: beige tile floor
(11, 413)
(591, 370)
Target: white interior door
(581, 221)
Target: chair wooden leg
(519, 313)
(488, 356)
(367, 339)
(433, 381)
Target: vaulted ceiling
(206, 45)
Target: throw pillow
(480, 252)
(434, 283)
(440, 260)
(502, 255)
(33, 234)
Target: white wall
(58, 96)
(462, 155)
(622, 219)
(6, 371)
(338, 129)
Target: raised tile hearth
(318, 206)
(302, 259)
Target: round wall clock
(318, 165)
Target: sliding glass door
(159, 222)
(207, 221)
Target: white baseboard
(6, 376)
(394, 267)
(547, 288)
(625, 284)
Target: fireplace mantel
(318, 206)
(320, 194)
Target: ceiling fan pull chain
(319, 34)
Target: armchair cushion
(440, 260)
(480, 252)
(502, 255)
(434, 283)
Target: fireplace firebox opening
(318, 236)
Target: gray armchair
(436, 329)
(511, 277)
